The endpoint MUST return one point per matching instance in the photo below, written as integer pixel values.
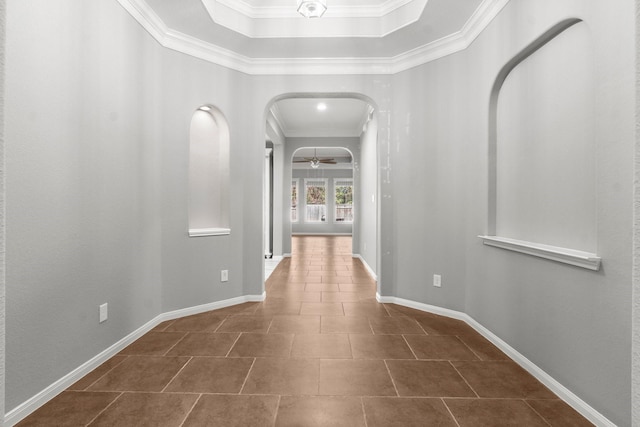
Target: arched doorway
(312, 127)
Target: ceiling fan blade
(301, 161)
(328, 161)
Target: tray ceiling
(354, 36)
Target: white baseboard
(17, 414)
(369, 269)
(561, 391)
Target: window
(294, 200)
(343, 198)
(315, 196)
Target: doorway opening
(321, 173)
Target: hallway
(319, 351)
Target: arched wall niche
(209, 145)
(542, 150)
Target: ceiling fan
(315, 160)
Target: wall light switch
(224, 275)
(104, 313)
(437, 280)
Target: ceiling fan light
(312, 8)
(315, 163)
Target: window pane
(315, 195)
(294, 200)
(343, 189)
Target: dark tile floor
(319, 351)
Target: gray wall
(367, 195)
(572, 323)
(2, 209)
(96, 186)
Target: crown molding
(197, 48)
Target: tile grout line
(191, 410)
(105, 408)
(536, 412)
(410, 348)
(177, 373)
(175, 344)
(234, 344)
(103, 375)
(449, 410)
(465, 380)
(391, 376)
(275, 415)
(364, 412)
(247, 377)
(472, 351)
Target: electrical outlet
(224, 275)
(104, 312)
(437, 280)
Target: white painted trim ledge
(17, 414)
(567, 256)
(202, 232)
(561, 391)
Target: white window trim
(335, 205)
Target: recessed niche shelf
(202, 232)
(567, 256)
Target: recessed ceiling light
(205, 108)
(321, 106)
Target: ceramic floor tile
(322, 287)
(494, 413)
(324, 346)
(340, 296)
(364, 309)
(247, 308)
(245, 324)
(320, 411)
(94, 375)
(379, 347)
(406, 412)
(204, 344)
(262, 345)
(141, 373)
(345, 325)
(211, 375)
(558, 414)
(153, 344)
(70, 408)
(443, 347)
(147, 410)
(295, 325)
(322, 308)
(322, 349)
(233, 411)
(283, 376)
(482, 347)
(395, 325)
(502, 379)
(355, 378)
(204, 322)
(428, 379)
(437, 325)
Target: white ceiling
(300, 117)
(354, 36)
